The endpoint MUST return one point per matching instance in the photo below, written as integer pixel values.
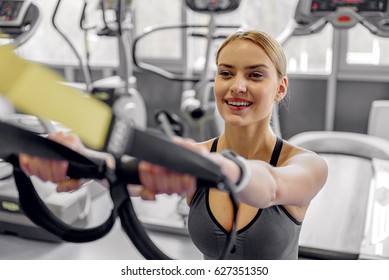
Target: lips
(238, 103)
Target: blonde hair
(271, 47)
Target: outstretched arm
(294, 183)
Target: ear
(282, 89)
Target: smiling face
(247, 83)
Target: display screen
(218, 6)
(9, 10)
(357, 5)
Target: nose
(239, 85)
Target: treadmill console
(213, 6)
(12, 12)
(312, 15)
(356, 5)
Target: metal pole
(332, 82)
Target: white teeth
(238, 103)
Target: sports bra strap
(214, 145)
(276, 152)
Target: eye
(256, 75)
(225, 74)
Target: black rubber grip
(15, 140)
(127, 173)
(158, 149)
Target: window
(366, 48)
(153, 13)
(48, 46)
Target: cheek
(265, 93)
(219, 91)
(219, 94)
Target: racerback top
(272, 234)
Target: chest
(221, 209)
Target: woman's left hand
(157, 179)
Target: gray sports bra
(272, 234)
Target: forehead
(244, 51)
(241, 48)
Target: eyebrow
(250, 67)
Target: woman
(251, 76)
(273, 200)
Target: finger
(134, 190)
(152, 176)
(161, 180)
(35, 167)
(58, 170)
(24, 164)
(188, 183)
(69, 185)
(177, 183)
(145, 175)
(148, 194)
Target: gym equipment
(141, 145)
(18, 21)
(70, 208)
(347, 219)
(379, 113)
(312, 16)
(115, 133)
(197, 105)
(123, 85)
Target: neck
(250, 142)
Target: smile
(239, 104)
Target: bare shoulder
(304, 161)
(292, 154)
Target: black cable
(86, 42)
(87, 77)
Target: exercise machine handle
(144, 145)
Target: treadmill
(349, 218)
